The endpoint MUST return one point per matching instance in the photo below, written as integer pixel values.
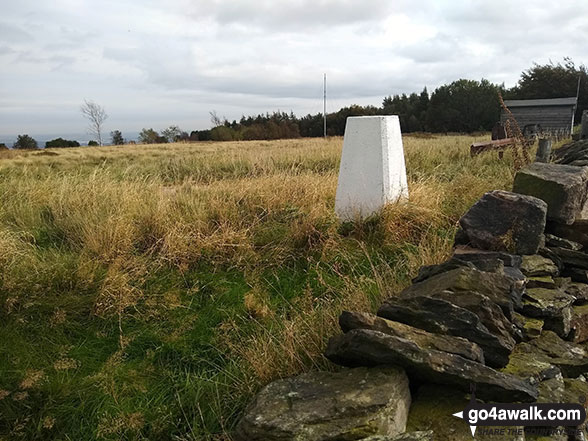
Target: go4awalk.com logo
(528, 415)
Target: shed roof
(542, 103)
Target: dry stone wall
(508, 313)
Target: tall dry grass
(191, 274)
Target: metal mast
(325, 107)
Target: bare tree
(217, 120)
(96, 115)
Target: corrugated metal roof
(540, 103)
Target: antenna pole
(325, 107)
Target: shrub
(222, 133)
(25, 142)
(60, 142)
(92, 143)
(148, 136)
(117, 138)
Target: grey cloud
(5, 50)
(14, 34)
(294, 15)
(186, 58)
(441, 48)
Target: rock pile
(508, 312)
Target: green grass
(147, 292)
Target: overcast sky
(154, 63)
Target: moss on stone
(433, 407)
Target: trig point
(372, 171)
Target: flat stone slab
(577, 232)
(423, 339)
(570, 358)
(443, 317)
(373, 348)
(562, 187)
(541, 282)
(428, 271)
(531, 327)
(573, 153)
(537, 265)
(348, 405)
(529, 363)
(578, 275)
(576, 259)
(474, 255)
(505, 221)
(578, 290)
(554, 306)
(500, 288)
(560, 242)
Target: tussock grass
(147, 292)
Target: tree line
(461, 106)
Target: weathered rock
(461, 238)
(560, 242)
(499, 288)
(552, 390)
(432, 409)
(504, 221)
(406, 436)
(576, 391)
(373, 348)
(577, 232)
(562, 282)
(475, 255)
(570, 358)
(347, 405)
(552, 305)
(488, 265)
(545, 303)
(530, 327)
(440, 316)
(415, 436)
(579, 324)
(565, 390)
(423, 339)
(541, 282)
(546, 252)
(562, 187)
(578, 275)
(572, 153)
(529, 363)
(572, 258)
(536, 265)
(490, 314)
(578, 290)
(426, 272)
(492, 265)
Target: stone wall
(507, 313)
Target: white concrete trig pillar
(372, 172)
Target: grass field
(147, 292)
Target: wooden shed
(554, 115)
